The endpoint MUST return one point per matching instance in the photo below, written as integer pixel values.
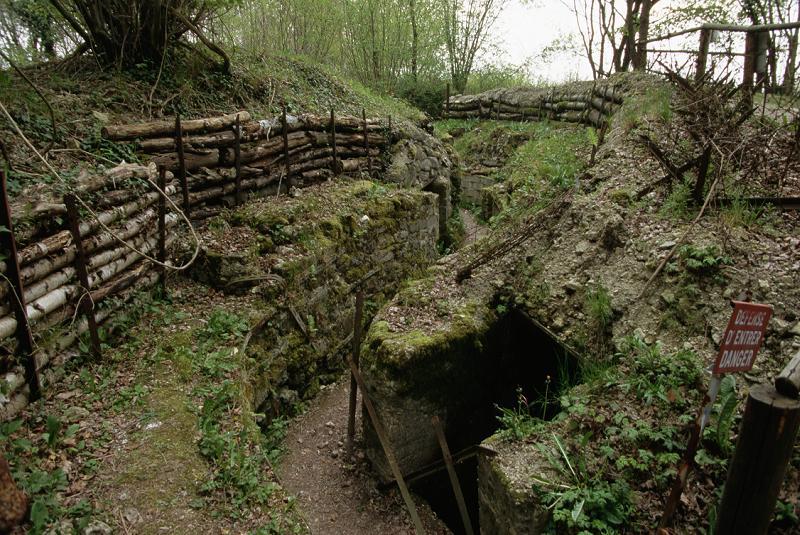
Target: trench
(522, 363)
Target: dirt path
(473, 229)
(335, 495)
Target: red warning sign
(743, 337)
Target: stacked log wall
(124, 208)
(591, 106)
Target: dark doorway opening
(521, 362)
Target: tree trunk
(640, 62)
(414, 38)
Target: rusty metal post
(447, 101)
(366, 141)
(161, 254)
(351, 414)
(237, 154)
(85, 304)
(451, 472)
(285, 133)
(702, 54)
(674, 498)
(333, 143)
(387, 448)
(17, 297)
(181, 163)
(763, 451)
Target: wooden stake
(763, 451)
(750, 51)
(351, 414)
(237, 154)
(182, 164)
(387, 449)
(161, 254)
(17, 297)
(702, 55)
(86, 306)
(451, 471)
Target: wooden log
(65, 275)
(194, 161)
(251, 131)
(57, 242)
(130, 132)
(49, 265)
(763, 451)
(788, 382)
(18, 393)
(66, 293)
(116, 176)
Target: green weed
(587, 503)
(517, 423)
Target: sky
(524, 29)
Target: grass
(85, 99)
(643, 106)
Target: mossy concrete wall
(502, 510)
(415, 373)
(305, 259)
(472, 187)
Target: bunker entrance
(521, 369)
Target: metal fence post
(85, 303)
(237, 153)
(161, 254)
(181, 163)
(333, 143)
(351, 414)
(17, 297)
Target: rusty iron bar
(351, 413)
(162, 228)
(387, 448)
(181, 164)
(285, 132)
(23, 332)
(333, 143)
(684, 467)
(237, 155)
(366, 141)
(85, 303)
(451, 472)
